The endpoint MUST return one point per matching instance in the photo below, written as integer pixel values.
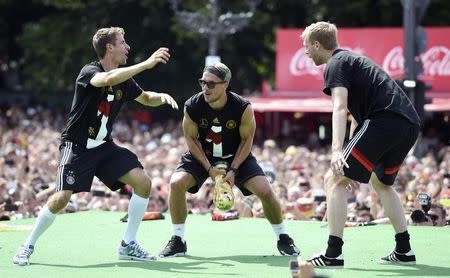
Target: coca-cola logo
(393, 61)
(301, 64)
(436, 62)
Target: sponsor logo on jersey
(203, 123)
(216, 121)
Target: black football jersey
(218, 129)
(370, 88)
(95, 109)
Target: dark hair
(220, 70)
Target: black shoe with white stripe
(286, 246)
(400, 258)
(323, 261)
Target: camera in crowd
(422, 216)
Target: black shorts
(248, 169)
(379, 145)
(78, 166)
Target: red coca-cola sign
(295, 71)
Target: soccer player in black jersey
(219, 127)
(87, 149)
(384, 128)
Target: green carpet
(85, 244)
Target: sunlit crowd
(29, 156)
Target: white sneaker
(22, 256)
(133, 251)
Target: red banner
(296, 73)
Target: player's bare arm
(190, 130)
(247, 133)
(153, 99)
(339, 97)
(119, 75)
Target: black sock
(334, 247)
(402, 242)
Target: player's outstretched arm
(148, 98)
(119, 75)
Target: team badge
(216, 121)
(119, 95)
(203, 123)
(70, 180)
(231, 124)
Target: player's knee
(146, 186)
(265, 194)
(59, 200)
(177, 186)
(328, 179)
(332, 182)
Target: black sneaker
(286, 246)
(175, 248)
(400, 258)
(322, 261)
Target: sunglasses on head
(209, 84)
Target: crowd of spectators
(29, 158)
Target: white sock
(279, 229)
(44, 220)
(136, 210)
(178, 230)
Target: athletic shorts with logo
(379, 145)
(78, 166)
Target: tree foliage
(52, 38)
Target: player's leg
(382, 179)
(180, 182)
(188, 176)
(393, 209)
(260, 186)
(336, 194)
(119, 166)
(140, 182)
(74, 175)
(251, 179)
(45, 218)
(359, 154)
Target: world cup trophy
(223, 194)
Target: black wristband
(235, 170)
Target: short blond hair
(323, 32)
(104, 36)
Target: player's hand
(159, 56)
(230, 177)
(214, 171)
(337, 163)
(165, 98)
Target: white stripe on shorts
(65, 157)
(355, 139)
